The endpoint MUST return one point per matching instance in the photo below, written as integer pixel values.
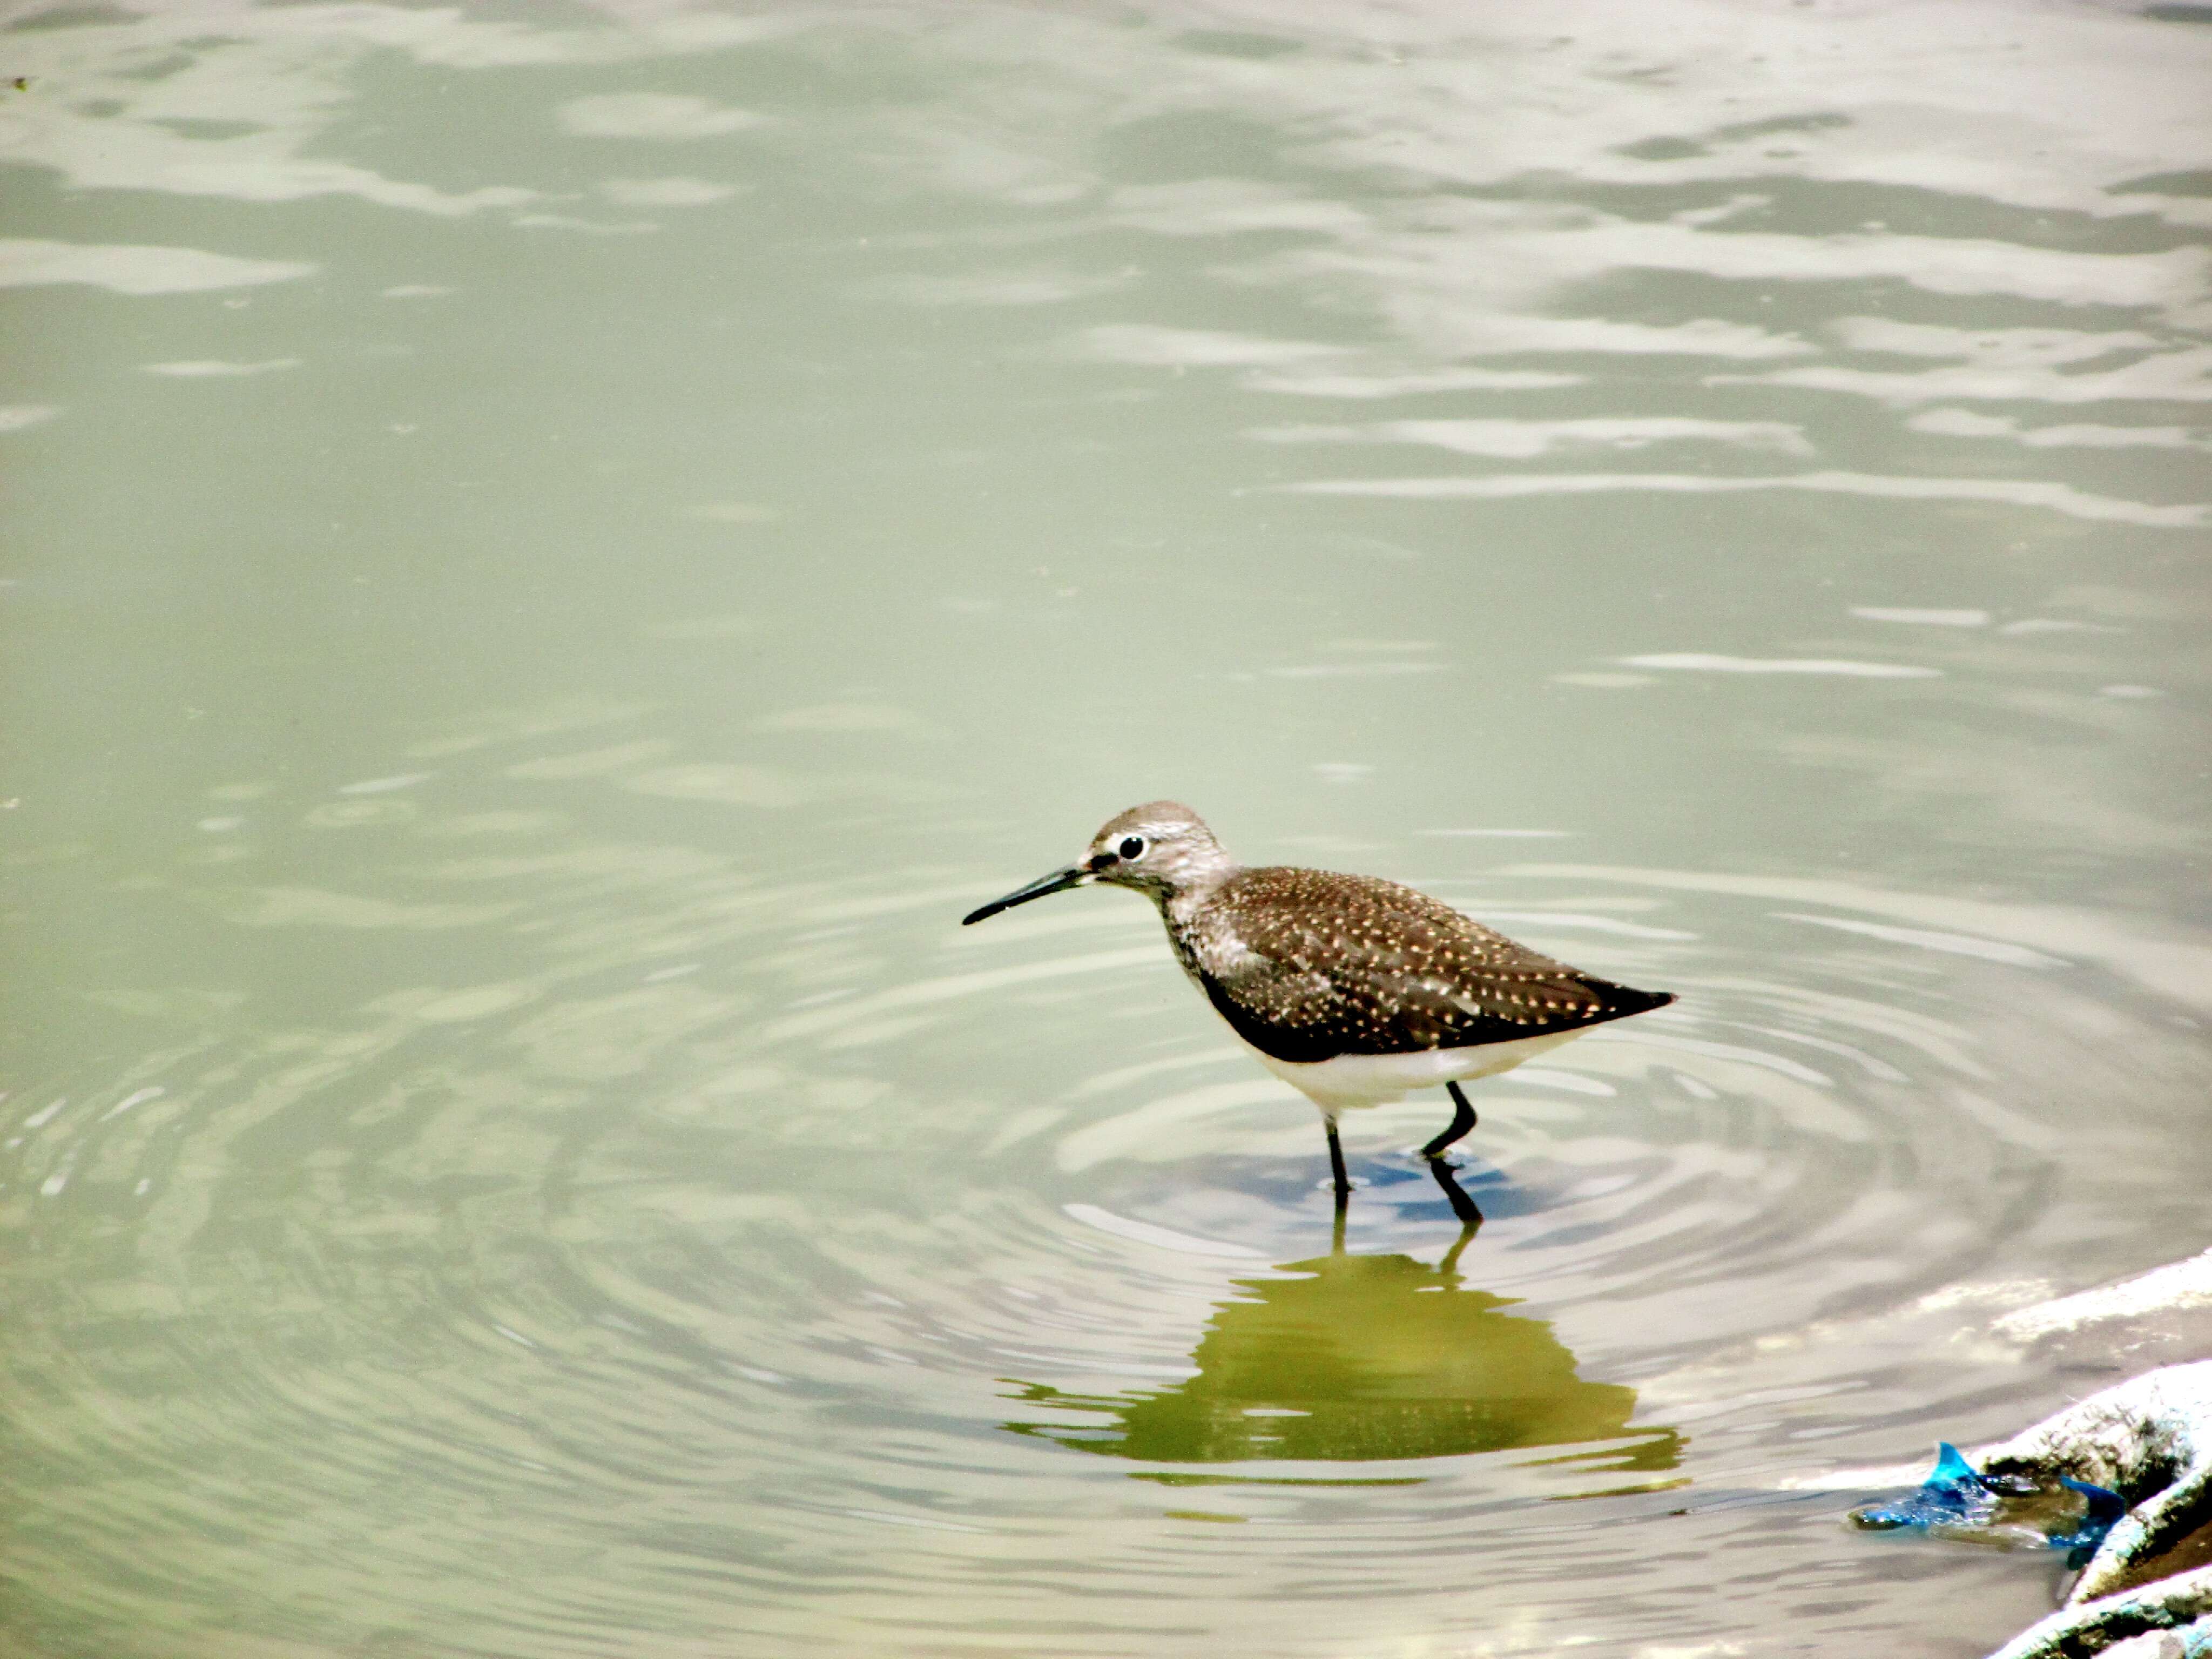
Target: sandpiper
(1353, 990)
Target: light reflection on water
(635, 523)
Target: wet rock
(2194, 1643)
(2150, 1440)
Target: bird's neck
(1197, 930)
(1181, 903)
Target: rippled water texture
(551, 553)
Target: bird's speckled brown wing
(1403, 972)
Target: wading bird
(1353, 990)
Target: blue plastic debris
(1957, 1501)
(1952, 1496)
(2106, 1506)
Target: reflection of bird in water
(1353, 990)
(1364, 1358)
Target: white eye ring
(1131, 849)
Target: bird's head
(1161, 849)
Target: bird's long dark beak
(1059, 881)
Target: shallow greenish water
(551, 554)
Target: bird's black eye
(1133, 847)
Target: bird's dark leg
(1463, 1120)
(1336, 1165)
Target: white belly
(1371, 1079)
